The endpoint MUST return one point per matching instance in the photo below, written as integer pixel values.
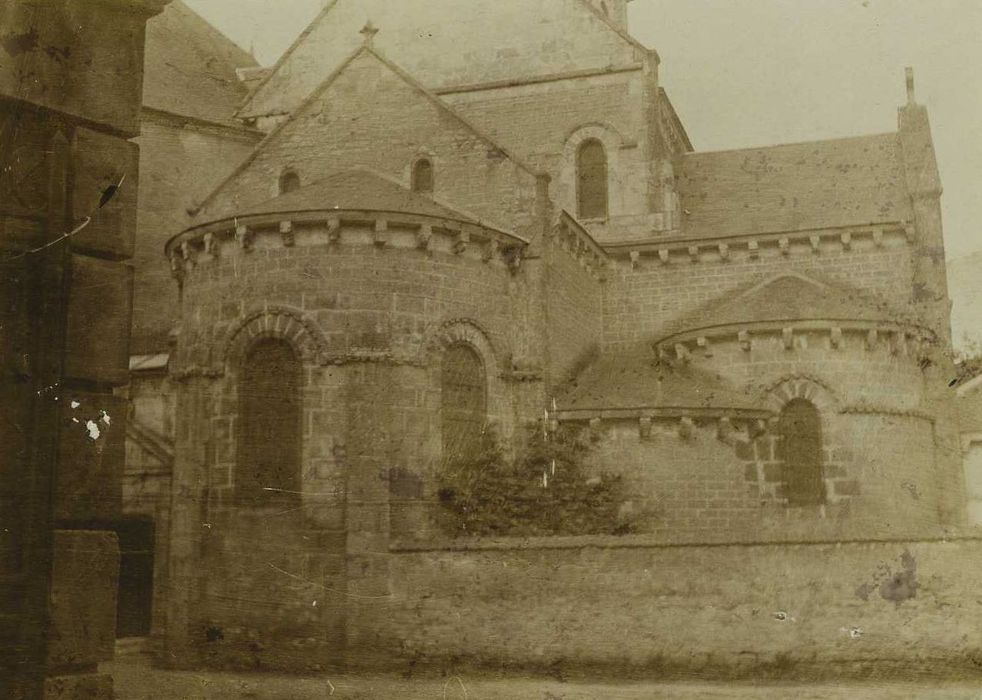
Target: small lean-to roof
(824, 184)
(358, 190)
(634, 381)
(190, 67)
(784, 299)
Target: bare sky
(756, 72)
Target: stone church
(432, 217)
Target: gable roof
(281, 90)
(796, 187)
(190, 67)
(355, 190)
(366, 50)
(785, 298)
(635, 381)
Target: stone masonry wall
(179, 162)
(606, 107)
(735, 609)
(639, 301)
(573, 296)
(878, 470)
(879, 458)
(369, 117)
(270, 588)
(465, 43)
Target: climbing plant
(544, 489)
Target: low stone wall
(628, 605)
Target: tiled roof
(787, 298)
(358, 190)
(824, 184)
(636, 381)
(190, 67)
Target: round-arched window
(591, 180)
(268, 469)
(800, 451)
(289, 182)
(422, 178)
(464, 401)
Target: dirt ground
(136, 680)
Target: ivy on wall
(544, 490)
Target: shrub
(544, 490)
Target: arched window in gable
(289, 182)
(591, 180)
(267, 470)
(800, 451)
(422, 178)
(464, 401)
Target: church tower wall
(605, 106)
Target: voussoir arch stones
(291, 325)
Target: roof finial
(369, 31)
(910, 86)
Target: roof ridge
(274, 69)
(217, 33)
(779, 276)
(791, 144)
(691, 320)
(278, 128)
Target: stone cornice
(900, 339)
(537, 80)
(678, 250)
(670, 413)
(369, 228)
(879, 410)
(570, 236)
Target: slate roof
(189, 67)
(786, 298)
(635, 381)
(823, 184)
(355, 190)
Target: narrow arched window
(289, 181)
(800, 451)
(464, 401)
(422, 180)
(268, 465)
(591, 180)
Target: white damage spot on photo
(93, 429)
